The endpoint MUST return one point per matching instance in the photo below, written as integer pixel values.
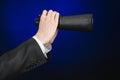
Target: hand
(48, 30)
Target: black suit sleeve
(25, 57)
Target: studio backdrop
(75, 55)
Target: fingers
(50, 12)
(44, 14)
(56, 17)
(51, 15)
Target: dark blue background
(75, 55)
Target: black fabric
(23, 58)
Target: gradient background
(75, 55)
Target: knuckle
(50, 10)
(57, 13)
(54, 12)
(44, 10)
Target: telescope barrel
(82, 22)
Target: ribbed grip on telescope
(82, 22)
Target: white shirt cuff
(44, 49)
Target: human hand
(47, 31)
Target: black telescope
(83, 22)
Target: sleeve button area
(32, 65)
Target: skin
(48, 30)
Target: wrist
(42, 39)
